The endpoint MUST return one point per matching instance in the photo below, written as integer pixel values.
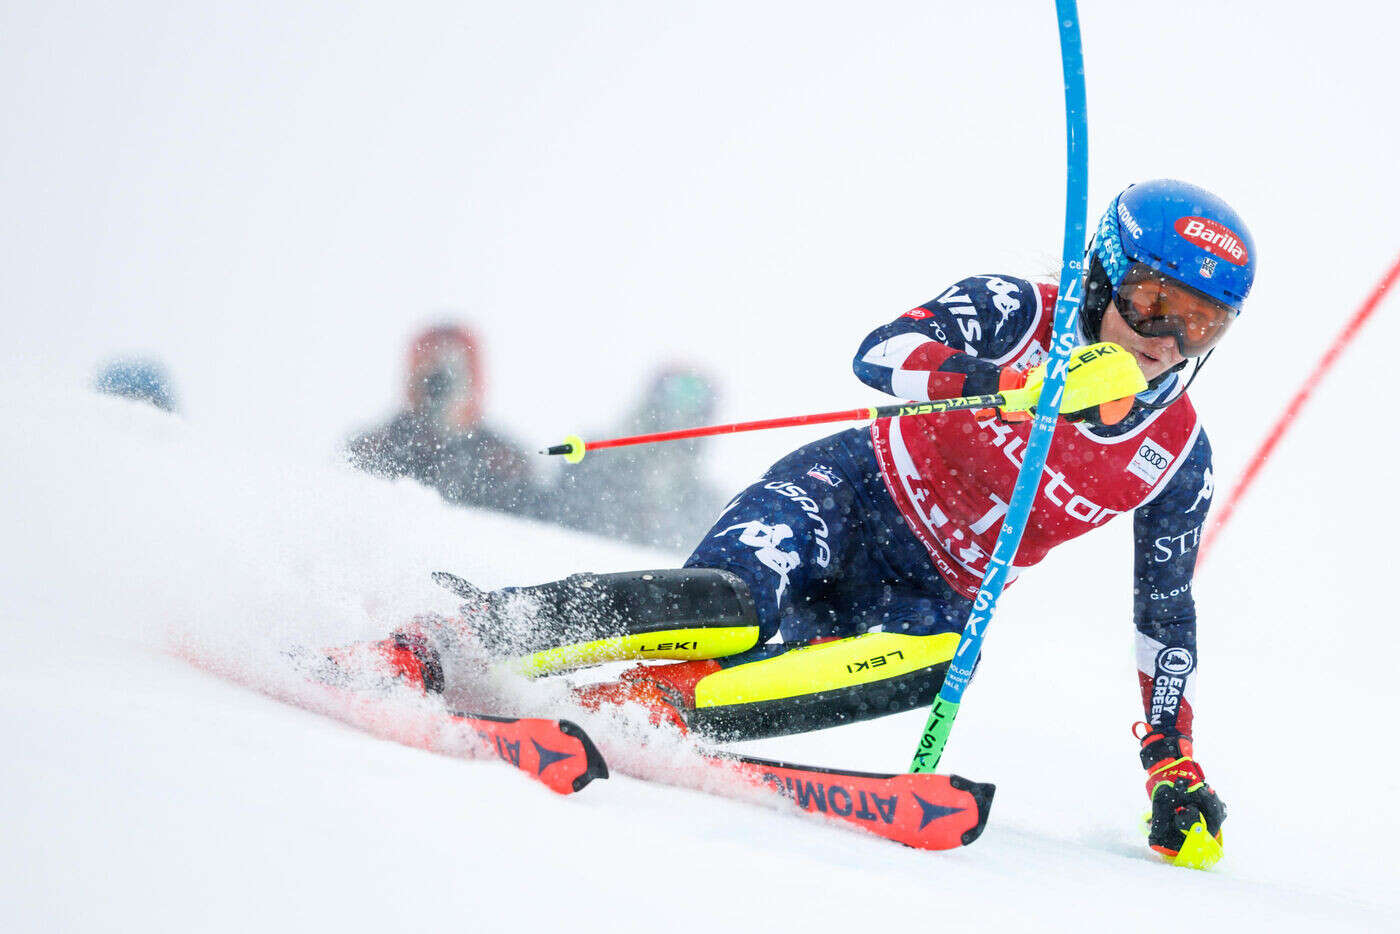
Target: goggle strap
(1201, 361)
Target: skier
(441, 439)
(834, 588)
(655, 494)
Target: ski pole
(959, 672)
(1011, 400)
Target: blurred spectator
(136, 378)
(441, 440)
(651, 494)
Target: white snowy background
(272, 197)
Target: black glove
(1177, 788)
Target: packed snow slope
(139, 792)
(273, 197)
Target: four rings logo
(1149, 461)
(1176, 661)
(1153, 457)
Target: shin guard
(588, 619)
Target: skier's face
(1154, 355)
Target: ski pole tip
(573, 449)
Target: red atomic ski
(930, 812)
(557, 753)
(927, 811)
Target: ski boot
(665, 693)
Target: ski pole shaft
(573, 447)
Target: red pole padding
(1295, 405)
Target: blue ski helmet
(1179, 230)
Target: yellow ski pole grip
(1101, 373)
(1020, 400)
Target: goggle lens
(1155, 305)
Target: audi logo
(1152, 457)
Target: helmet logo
(1126, 217)
(1215, 238)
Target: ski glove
(1100, 385)
(1177, 787)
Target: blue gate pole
(945, 705)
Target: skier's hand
(1100, 384)
(1177, 787)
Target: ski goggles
(1156, 305)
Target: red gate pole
(1295, 405)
